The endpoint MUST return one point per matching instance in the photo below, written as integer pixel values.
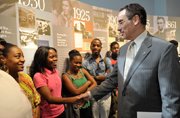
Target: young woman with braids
(76, 81)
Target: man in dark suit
(152, 83)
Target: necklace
(74, 74)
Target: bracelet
(95, 77)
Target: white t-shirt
(13, 102)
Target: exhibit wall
(70, 24)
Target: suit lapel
(140, 56)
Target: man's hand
(84, 96)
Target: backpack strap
(69, 76)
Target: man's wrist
(89, 94)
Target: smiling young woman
(76, 81)
(13, 62)
(48, 83)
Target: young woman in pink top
(48, 83)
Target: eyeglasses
(121, 23)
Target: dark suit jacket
(152, 83)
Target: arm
(72, 88)
(169, 82)
(107, 85)
(99, 91)
(89, 78)
(46, 94)
(41, 85)
(104, 88)
(38, 111)
(101, 78)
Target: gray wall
(153, 7)
(173, 8)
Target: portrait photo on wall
(79, 26)
(28, 39)
(26, 18)
(43, 27)
(62, 13)
(160, 26)
(112, 31)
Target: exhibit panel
(67, 25)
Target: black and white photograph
(160, 26)
(87, 35)
(160, 23)
(62, 13)
(43, 27)
(28, 39)
(170, 34)
(79, 26)
(26, 18)
(101, 18)
(112, 31)
(119, 37)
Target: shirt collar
(91, 58)
(140, 38)
(49, 71)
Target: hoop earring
(5, 68)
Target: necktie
(129, 58)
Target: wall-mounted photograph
(100, 18)
(28, 39)
(43, 27)
(62, 13)
(79, 26)
(119, 38)
(87, 35)
(160, 26)
(26, 18)
(112, 31)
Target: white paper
(149, 114)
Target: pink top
(52, 80)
